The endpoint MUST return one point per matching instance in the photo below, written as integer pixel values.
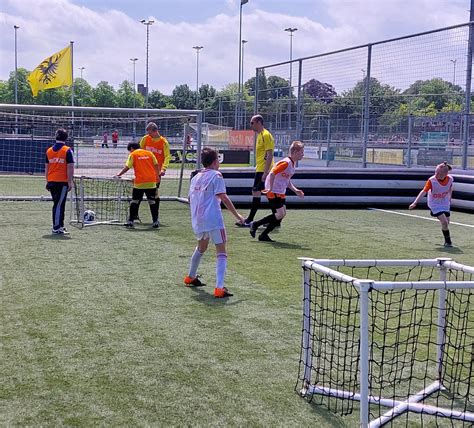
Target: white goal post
(397, 336)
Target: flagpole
(72, 73)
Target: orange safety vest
(157, 147)
(144, 166)
(57, 165)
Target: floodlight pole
(291, 31)
(239, 90)
(16, 78)
(197, 48)
(147, 23)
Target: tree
(24, 90)
(277, 88)
(262, 84)
(83, 93)
(183, 98)
(158, 100)
(322, 92)
(5, 95)
(105, 95)
(125, 94)
(434, 91)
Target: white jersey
(439, 196)
(283, 171)
(206, 214)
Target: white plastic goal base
(411, 404)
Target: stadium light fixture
(81, 70)
(239, 95)
(147, 23)
(243, 44)
(197, 48)
(454, 71)
(134, 60)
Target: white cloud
(105, 40)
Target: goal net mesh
(404, 350)
(99, 200)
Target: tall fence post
(410, 128)
(467, 106)
(299, 107)
(366, 107)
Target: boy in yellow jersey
(146, 170)
(264, 162)
(159, 146)
(276, 184)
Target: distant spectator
(105, 138)
(115, 138)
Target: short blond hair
(296, 146)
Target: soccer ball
(89, 216)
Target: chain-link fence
(405, 101)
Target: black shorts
(137, 194)
(158, 184)
(276, 202)
(258, 184)
(446, 213)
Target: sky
(108, 33)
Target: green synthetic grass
(97, 328)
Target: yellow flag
(53, 72)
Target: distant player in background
(159, 146)
(59, 171)
(264, 162)
(207, 191)
(276, 184)
(439, 188)
(105, 139)
(115, 138)
(146, 170)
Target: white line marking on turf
(419, 216)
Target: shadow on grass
(283, 245)
(57, 237)
(331, 419)
(449, 250)
(206, 297)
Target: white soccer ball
(89, 216)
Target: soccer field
(98, 329)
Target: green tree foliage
(24, 90)
(105, 95)
(4, 92)
(183, 98)
(277, 88)
(83, 93)
(125, 94)
(157, 100)
(438, 92)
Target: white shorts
(217, 236)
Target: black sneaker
(253, 229)
(265, 238)
(244, 224)
(448, 244)
(156, 224)
(129, 225)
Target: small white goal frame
(413, 402)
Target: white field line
(419, 216)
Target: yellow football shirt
(265, 142)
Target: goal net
(97, 200)
(26, 132)
(393, 337)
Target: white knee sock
(195, 260)
(221, 265)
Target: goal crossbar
(315, 314)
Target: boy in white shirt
(439, 188)
(206, 192)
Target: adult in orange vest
(146, 170)
(159, 146)
(59, 172)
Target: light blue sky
(108, 33)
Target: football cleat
(193, 282)
(222, 292)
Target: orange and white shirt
(283, 171)
(143, 162)
(439, 193)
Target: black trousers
(58, 192)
